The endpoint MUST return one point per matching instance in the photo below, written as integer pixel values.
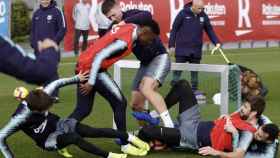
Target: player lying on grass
(233, 134)
(15, 62)
(50, 132)
(267, 149)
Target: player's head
(250, 84)
(112, 10)
(148, 31)
(267, 133)
(197, 6)
(45, 3)
(39, 101)
(252, 107)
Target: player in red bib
(107, 50)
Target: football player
(36, 70)
(50, 132)
(107, 50)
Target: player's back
(38, 126)
(123, 32)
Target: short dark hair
(107, 5)
(38, 100)
(152, 24)
(272, 130)
(257, 104)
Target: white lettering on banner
(243, 16)
(270, 22)
(218, 23)
(140, 5)
(270, 10)
(244, 13)
(215, 11)
(2, 11)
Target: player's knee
(145, 88)
(137, 107)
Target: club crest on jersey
(201, 19)
(49, 17)
(41, 128)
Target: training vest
(123, 32)
(221, 139)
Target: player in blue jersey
(14, 61)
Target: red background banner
(232, 20)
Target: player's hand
(218, 45)
(224, 116)
(83, 76)
(208, 151)
(47, 43)
(171, 51)
(119, 24)
(86, 88)
(229, 126)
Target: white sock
(167, 121)
(154, 114)
(130, 137)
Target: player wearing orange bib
(107, 50)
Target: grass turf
(264, 61)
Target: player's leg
(177, 73)
(76, 41)
(108, 89)
(84, 104)
(137, 101)
(137, 98)
(194, 74)
(85, 39)
(91, 132)
(181, 93)
(169, 136)
(73, 138)
(154, 77)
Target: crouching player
(50, 132)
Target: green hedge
(21, 22)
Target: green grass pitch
(264, 61)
